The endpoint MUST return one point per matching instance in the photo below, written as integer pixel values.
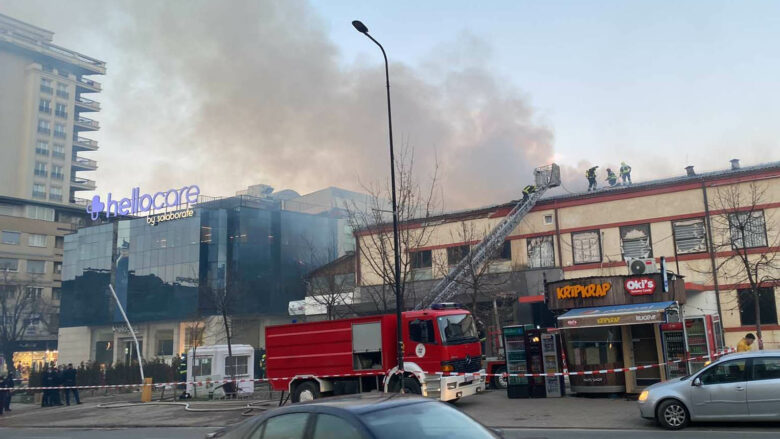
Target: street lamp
(396, 243)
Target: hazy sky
(230, 93)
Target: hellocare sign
(139, 203)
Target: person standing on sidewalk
(69, 380)
(5, 395)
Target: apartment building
(43, 119)
(691, 221)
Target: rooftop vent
(689, 171)
(734, 164)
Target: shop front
(623, 321)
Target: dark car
(363, 416)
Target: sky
(289, 94)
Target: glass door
(697, 342)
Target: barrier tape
(377, 373)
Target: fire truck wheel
(306, 391)
(411, 386)
(498, 381)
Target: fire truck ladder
(451, 285)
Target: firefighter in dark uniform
(590, 174)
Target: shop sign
(583, 291)
(610, 320)
(639, 286)
(142, 203)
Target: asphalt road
(515, 433)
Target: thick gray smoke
(227, 94)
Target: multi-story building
(43, 107)
(699, 223)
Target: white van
(210, 363)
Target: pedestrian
(527, 191)
(590, 174)
(744, 344)
(625, 173)
(47, 381)
(5, 397)
(611, 178)
(69, 380)
(56, 393)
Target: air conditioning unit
(642, 266)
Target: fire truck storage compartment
(367, 346)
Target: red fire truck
(346, 356)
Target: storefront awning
(654, 312)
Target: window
(36, 240)
(56, 173)
(55, 193)
(456, 254)
(421, 331)
(766, 303)
(193, 336)
(44, 106)
(201, 366)
(36, 267)
(59, 130)
(586, 247)
(61, 110)
(59, 242)
(44, 127)
(41, 169)
(39, 190)
(42, 147)
(635, 242)
(329, 426)
(289, 426)
(56, 293)
(748, 229)
(11, 238)
(766, 369)
(40, 212)
(62, 90)
(236, 365)
(46, 86)
(8, 264)
(726, 372)
(34, 292)
(541, 252)
(58, 268)
(548, 219)
(165, 342)
(421, 259)
(504, 253)
(58, 151)
(690, 236)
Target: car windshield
(457, 329)
(427, 420)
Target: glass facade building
(242, 253)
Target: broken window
(541, 252)
(586, 247)
(503, 253)
(748, 229)
(635, 242)
(690, 236)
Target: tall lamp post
(396, 242)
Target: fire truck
(336, 357)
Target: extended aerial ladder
(452, 284)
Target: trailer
(210, 365)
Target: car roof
(751, 354)
(365, 402)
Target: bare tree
(193, 338)
(223, 298)
(373, 226)
(21, 303)
(742, 231)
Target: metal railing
(84, 142)
(80, 201)
(56, 49)
(84, 102)
(89, 83)
(84, 121)
(84, 182)
(84, 161)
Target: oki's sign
(640, 286)
(141, 203)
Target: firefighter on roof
(590, 174)
(625, 173)
(527, 191)
(611, 178)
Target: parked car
(736, 387)
(361, 416)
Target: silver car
(736, 387)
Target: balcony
(84, 85)
(84, 144)
(83, 164)
(82, 184)
(80, 201)
(84, 104)
(85, 124)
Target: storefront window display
(595, 349)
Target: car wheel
(411, 386)
(306, 391)
(499, 381)
(672, 415)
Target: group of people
(56, 377)
(612, 178)
(6, 384)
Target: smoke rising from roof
(228, 95)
